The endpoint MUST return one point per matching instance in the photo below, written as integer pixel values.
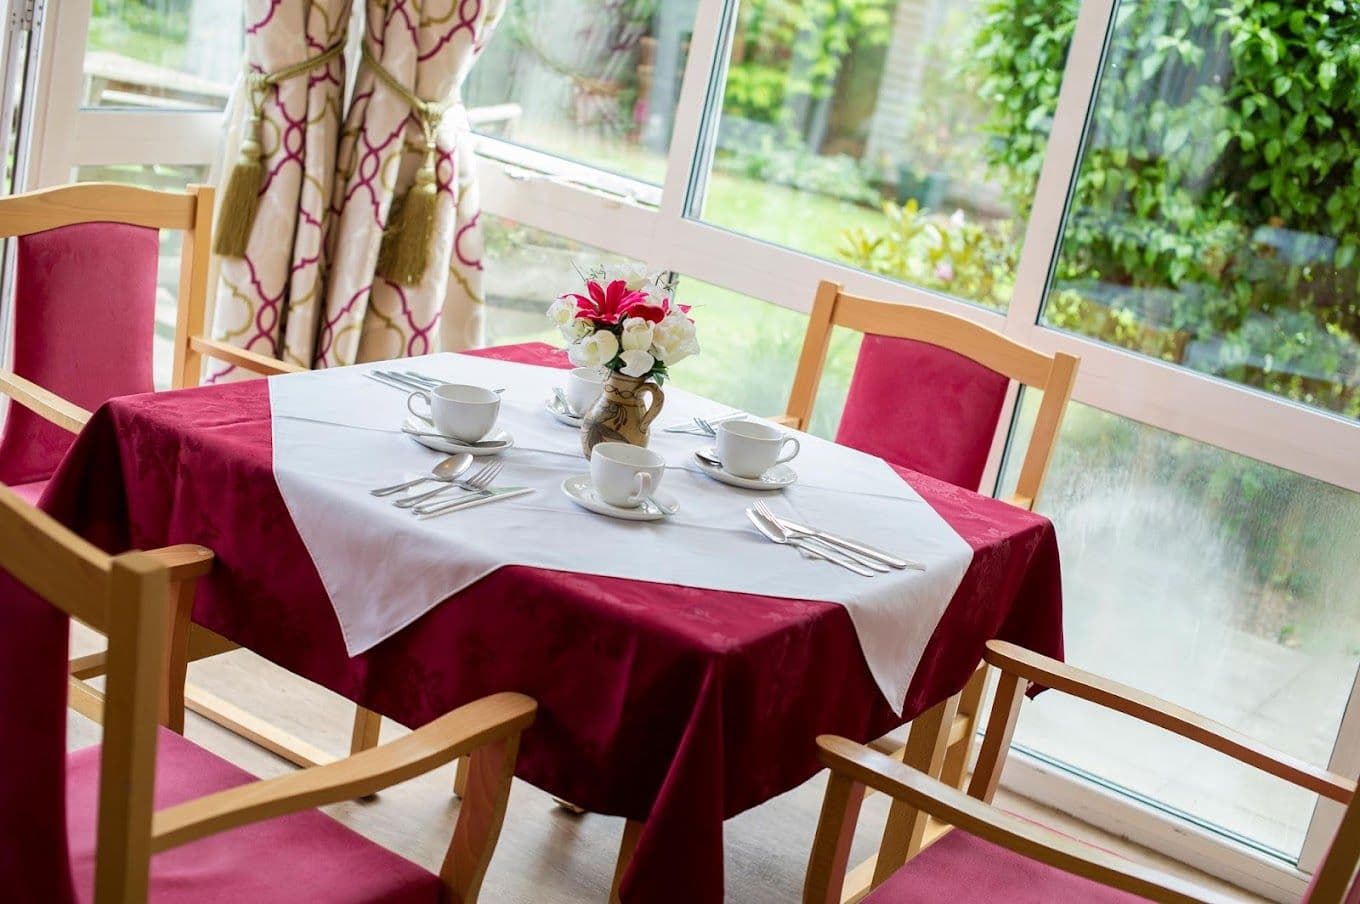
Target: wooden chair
(929, 387)
(131, 803)
(84, 311)
(1005, 855)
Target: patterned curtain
(406, 133)
(269, 299)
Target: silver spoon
(776, 534)
(480, 444)
(447, 471)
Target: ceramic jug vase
(622, 413)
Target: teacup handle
(644, 488)
(792, 455)
(656, 399)
(410, 406)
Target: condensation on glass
(1216, 581)
(162, 54)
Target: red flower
(615, 304)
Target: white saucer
(776, 478)
(579, 491)
(557, 411)
(501, 438)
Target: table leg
(177, 654)
(905, 833)
(460, 775)
(632, 828)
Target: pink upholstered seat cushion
(30, 492)
(963, 869)
(303, 857)
(85, 304)
(923, 407)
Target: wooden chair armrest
(1145, 707)
(462, 731)
(243, 358)
(186, 561)
(868, 767)
(783, 420)
(43, 403)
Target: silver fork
(866, 561)
(479, 481)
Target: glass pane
(893, 136)
(165, 178)
(162, 54)
(594, 82)
(526, 269)
(1214, 220)
(1248, 615)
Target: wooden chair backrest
(1051, 374)
(189, 211)
(126, 597)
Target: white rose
(595, 350)
(576, 330)
(637, 363)
(635, 276)
(562, 312)
(673, 339)
(637, 334)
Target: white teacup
(584, 386)
(624, 475)
(463, 412)
(750, 448)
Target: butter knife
(846, 543)
(485, 497)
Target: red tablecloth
(679, 706)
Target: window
(861, 131)
(162, 54)
(1215, 581)
(1214, 217)
(593, 82)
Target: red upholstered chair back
(929, 388)
(923, 407)
(47, 575)
(34, 865)
(85, 301)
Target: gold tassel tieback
(408, 239)
(241, 197)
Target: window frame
(658, 226)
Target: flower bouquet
(626, 322)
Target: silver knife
(388, 382)
(485, 497)
(846, 543)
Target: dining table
(676, 707)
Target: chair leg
(632, 828)
(367, 727)
(961, 749)
(490, 772)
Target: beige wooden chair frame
(128, 597)
(1053, 375)
(854, 768)
(190, 212)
